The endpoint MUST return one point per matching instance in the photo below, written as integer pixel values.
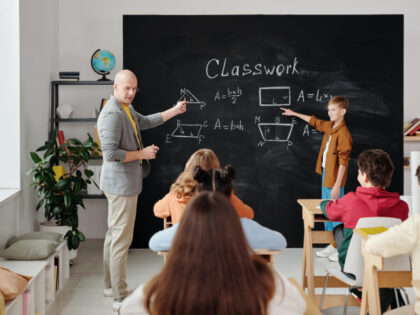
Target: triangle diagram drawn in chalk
(186, 95)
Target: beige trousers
(121, 216)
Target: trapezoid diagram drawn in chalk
(276, 132)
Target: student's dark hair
(418, 174)
(377, 165)
(340, 101)
(210, 268)
(215, 180)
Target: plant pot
(49, 226)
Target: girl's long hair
(185, 185)
(210, 268)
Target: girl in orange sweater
(185, 187)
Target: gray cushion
(41, 235)
(30, 250)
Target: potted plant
(61, 194)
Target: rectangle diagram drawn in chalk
(187, 131)
(275, 131)
(274, 96)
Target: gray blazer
(117, 136)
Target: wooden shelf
(75, 119)
(96, 196)
(411, 138)
(65, 82)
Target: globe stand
(104, 78)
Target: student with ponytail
(258, 236)
(185, 187)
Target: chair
(354, 263)
(167, 222)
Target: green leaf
(63, 184)
(67, 199)
(75, 141)
(35, 157)
(81, 236)
(44, 147)
(39, 205)
(88, 173)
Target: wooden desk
(375, 278)
(311, 308)
(310, 215)
(267, 255)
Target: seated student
(185, 186)
(211, 270)
(258, 237)
(369, 200)
(398, 240)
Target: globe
(102, 62)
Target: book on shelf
(26, 302)
(372, 230)
(69, 73)
(60, 137)
(56, 273)
(96, 139)
(103, 102)
(69, 79)
(409, 124)
(414, 123)
(413, 132)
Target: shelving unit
(42, 288)
(411, 139)
(55, 121)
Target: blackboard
(237, 71)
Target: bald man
(125, 163)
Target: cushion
(41, 235)
(30, 250)
(12, 284)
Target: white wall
(10, 90)
(36, 61)
(39, 64)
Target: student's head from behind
(185, 184)
(215, 180)
(337, 108)
(375, 168)
(210, 269)
(205, 158)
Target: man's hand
(335, 192)
(149, 153)
(287, 112)
(181, 107)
